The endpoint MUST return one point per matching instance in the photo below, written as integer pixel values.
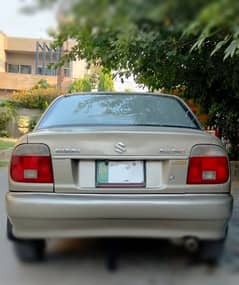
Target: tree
(97, 80)
(218, 21)
(81, 85)
(171, 43)
(41, 84)
(105, 81)
(140, 36)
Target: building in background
(24, 61)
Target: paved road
(141, 261)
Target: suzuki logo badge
(120, 147)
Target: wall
(20, 125)
(23, 44)
(79, 69)
(18, 81)
(2, 52)
(23, 59)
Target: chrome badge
(120, 147)
(67, 150)
(172, 151)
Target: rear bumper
(42, 215)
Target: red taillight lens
(31, 164)
(208, 170)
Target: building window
(46, 71)
(13, 68)
(67, 69)
(19, 68)
(67, 72)
(26, 69)
(39, 70)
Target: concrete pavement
(5, 154)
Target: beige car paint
(165, 173)
(73, 206)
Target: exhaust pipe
(191, 244)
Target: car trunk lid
(164, 153)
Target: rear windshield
(118, 110)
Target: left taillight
(31, 163)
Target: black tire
(30, 250)
(212, 251)
(10, 235)
(27, 250)
(112, 253)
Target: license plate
(120, 173)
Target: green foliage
(4, 118)
(32, 123)
(106, 82)
(81, 85)
(128, 90)
(7, 112)
(6, 143)
(98, 24)
(3, 163)
(36, 98)
(133, 36)
(164, 44)
(218, 20)
(98, 79)
(225, 116)
(41, 84)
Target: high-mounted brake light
(208, 164)
(31, 163)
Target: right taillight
(208, 164)
(31, 163)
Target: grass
(3, 163)
(6, 143)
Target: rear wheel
(30, 250)
(27, 250)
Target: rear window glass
(118, 110)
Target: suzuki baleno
(118, 165)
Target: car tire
(212, 251)
(10, 235)
(30, 250)
(27, 250)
